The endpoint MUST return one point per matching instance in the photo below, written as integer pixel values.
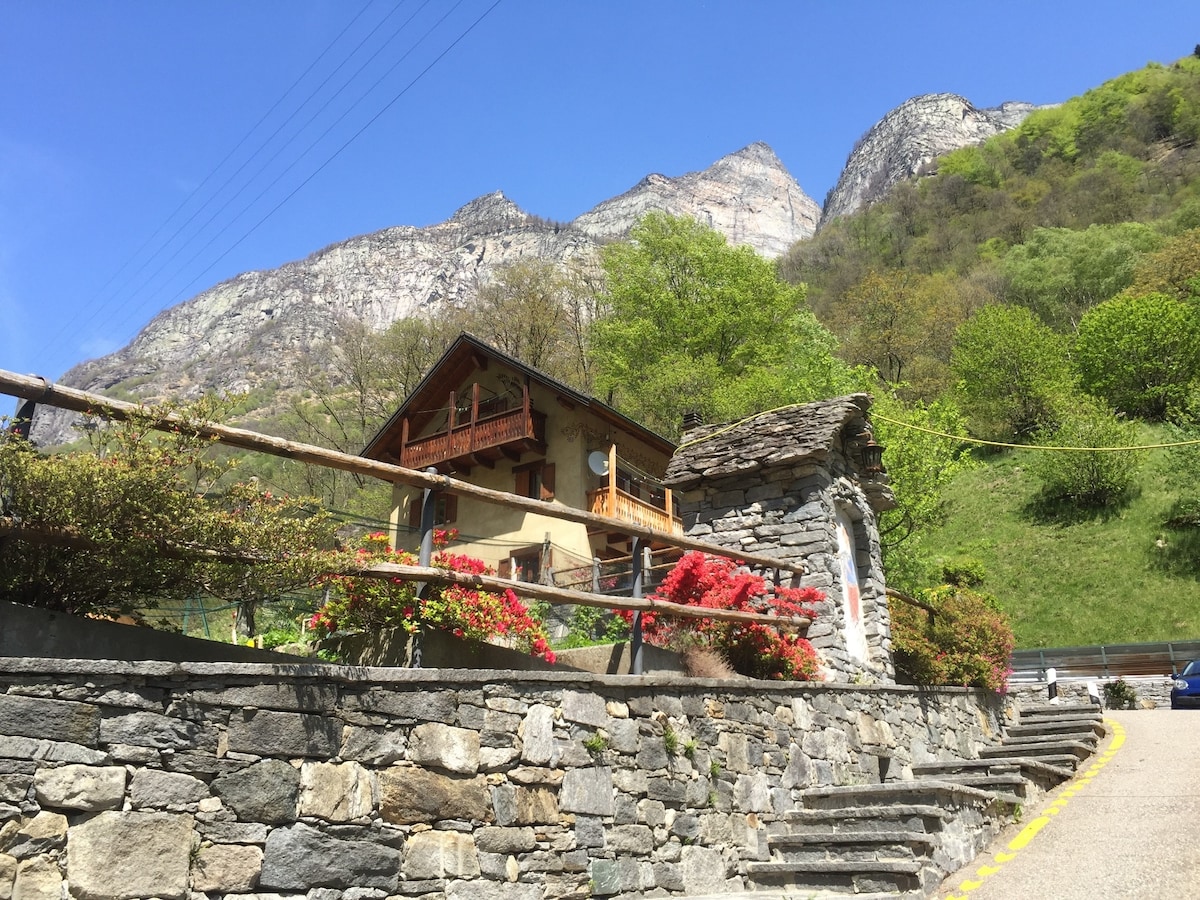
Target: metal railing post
(595, 574)
(635, 637)
(424, 557)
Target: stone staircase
(901, 839)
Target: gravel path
(1128, 833)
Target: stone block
(15, 788)
(637, 840)
(299, 858)
(372, 746)
(752, 793)
(494, 839)
(587, 791)
(149, 729)
(535, 806)
(294, 696)
(8, 874)
(440, 854)
(445, 747)
(130, 854)
(227, 868)
(537, 735)
(233, 832)
(584, 708)
(605, 877)
(702, 870)
(87, 788)
(52, 720)
(264, 792)
(408, 705)
(37, 878)
(411, 795)
(489, 890)
(165, 790)
(268, 733)
(336, 792)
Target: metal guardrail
(1105, 660)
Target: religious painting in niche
(852, 614)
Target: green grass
(1075, 578)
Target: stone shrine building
(804, 484)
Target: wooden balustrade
(478, 436)
(616, 504)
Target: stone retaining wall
(1153, 691)
(129, 780)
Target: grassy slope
(1091, 579)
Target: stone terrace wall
(333, 783)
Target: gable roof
(786, 436)
(468, 354)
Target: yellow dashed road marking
(1030, 831)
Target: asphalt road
(1127, 829)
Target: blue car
(1185, 689)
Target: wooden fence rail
(41, 391)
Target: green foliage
(1087, 478)
(694, 324)
(1140, 353)
(1059, 273)
(966, 640)
(670, 740)
(591, 625)
(596, 743)
(1012, 372)
(369, 603)
(920, 463)
(1120, 694)
(141, 519)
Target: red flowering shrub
(968, 642)
(375, 603)
(754, 649)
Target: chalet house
(482, 416)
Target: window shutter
(522, 488)
(547, 491)
(504, 569)
(414, 513)
(451, 509)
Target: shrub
(362, 602)
(1094, 478)
(1120, 694)
(966, 640)
(754, 649)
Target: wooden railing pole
(611, 508)
(635, 636)
(429, 498)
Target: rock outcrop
(910, 136)
(251, 330)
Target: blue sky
(128, 180)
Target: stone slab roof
(794, 434)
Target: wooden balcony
(478, 435)
(615, 503)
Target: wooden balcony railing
(520, 429)
(613, 502)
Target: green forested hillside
(1046, 284)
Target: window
(523, 565)
(535, 480)
(445, 510)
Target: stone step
(1083, 737)
(1056, 726)
(840, 877)
(1033, 768)
(1042, 711)
(923, 791)
(1078, 749)
(1006, 782)
(851, 837)
(811, 894)
(888, 817)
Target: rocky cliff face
(251, 330)
(911, 135)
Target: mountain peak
(489, 211)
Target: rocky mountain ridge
(251, 331)
(912, 135)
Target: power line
(100, 307)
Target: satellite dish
(598, 462)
